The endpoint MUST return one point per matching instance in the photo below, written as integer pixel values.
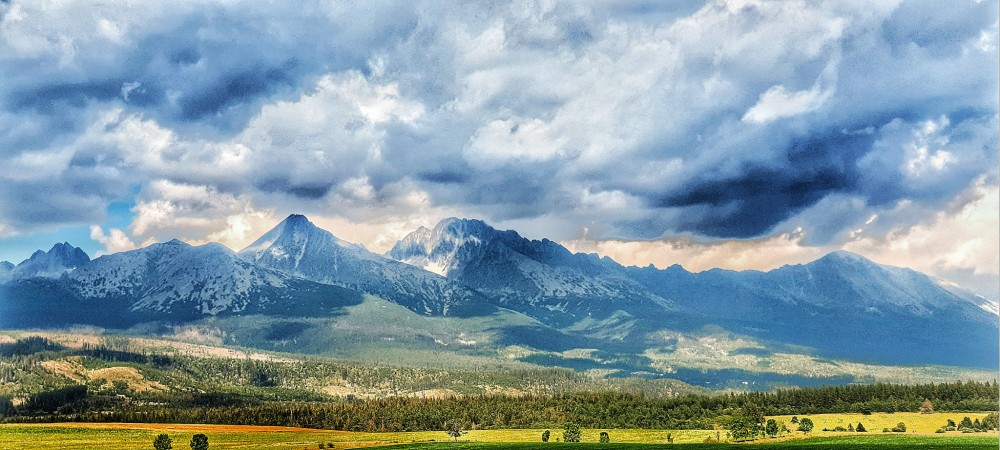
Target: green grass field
(107, 436)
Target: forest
(252, 392)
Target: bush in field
(545, 436)
(965, 423)
(860, 428)
(571, 433)
(605, 437)
(199, 442)
(899, 428)
(162, 442)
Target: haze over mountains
(517, 292)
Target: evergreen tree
(860, 428)
(571, 433)
(926, 407)
(850, 427)
(990, 422)
(162, 442)
(545, 436)
(965, 423)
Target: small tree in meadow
(162, 442)
(805, 425)
(605, 437)
(199, 442)
(454, 429)
(926, 407)
(860, 428)
(771, 428)
(991, 421)
(545, 435)
(795, 419)
(571, 433)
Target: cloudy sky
(736, 134)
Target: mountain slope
(844, 306)
(539, 278)
(296, 246)
(172, 281)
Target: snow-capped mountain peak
(299, 247)
(537, 277)
(62, 258)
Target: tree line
(587, 409)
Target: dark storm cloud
(719, 119)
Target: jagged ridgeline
(464, 290)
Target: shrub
(605, 437)
(860, 428)
(939, 430)
(899, 428)
(545, 435)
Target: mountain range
(301, 279)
